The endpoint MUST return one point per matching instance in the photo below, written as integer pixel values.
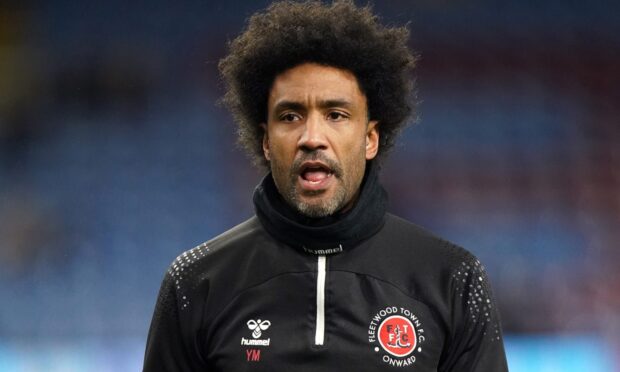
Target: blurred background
(114, 158)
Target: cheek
(280, 151)
(274, 144)
(357, 148)
(281, 158)
(356, 160)
(282, 140)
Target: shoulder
(213, 266)
(422, 245)
(213, 249)
(422, 262)
(437, 262)
(233, 237)
(204, 260)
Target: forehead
(309, 82)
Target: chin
(313, 211)
(318, 207)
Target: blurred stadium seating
(114, 157)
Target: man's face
(318, 138)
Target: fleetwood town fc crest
(397, 335)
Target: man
(322, 278)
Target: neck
(359, 220)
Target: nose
(313, 137)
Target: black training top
(361, 291)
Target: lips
(314, 171)
(314, 176)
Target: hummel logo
(257, 326)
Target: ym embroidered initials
(253, 355)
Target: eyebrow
(288, 105)
(297, 106)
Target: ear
(372, 139)
(265, 141)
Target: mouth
(315, 176)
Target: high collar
(327, 235)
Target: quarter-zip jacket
(387, 296)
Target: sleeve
(475, 343)
(172, 340)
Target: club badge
(397, 335)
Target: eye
(337, 116)
(290, 117)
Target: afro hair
(340, 35)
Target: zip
(319, 336)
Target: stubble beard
(317, 207)
(322, 207)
